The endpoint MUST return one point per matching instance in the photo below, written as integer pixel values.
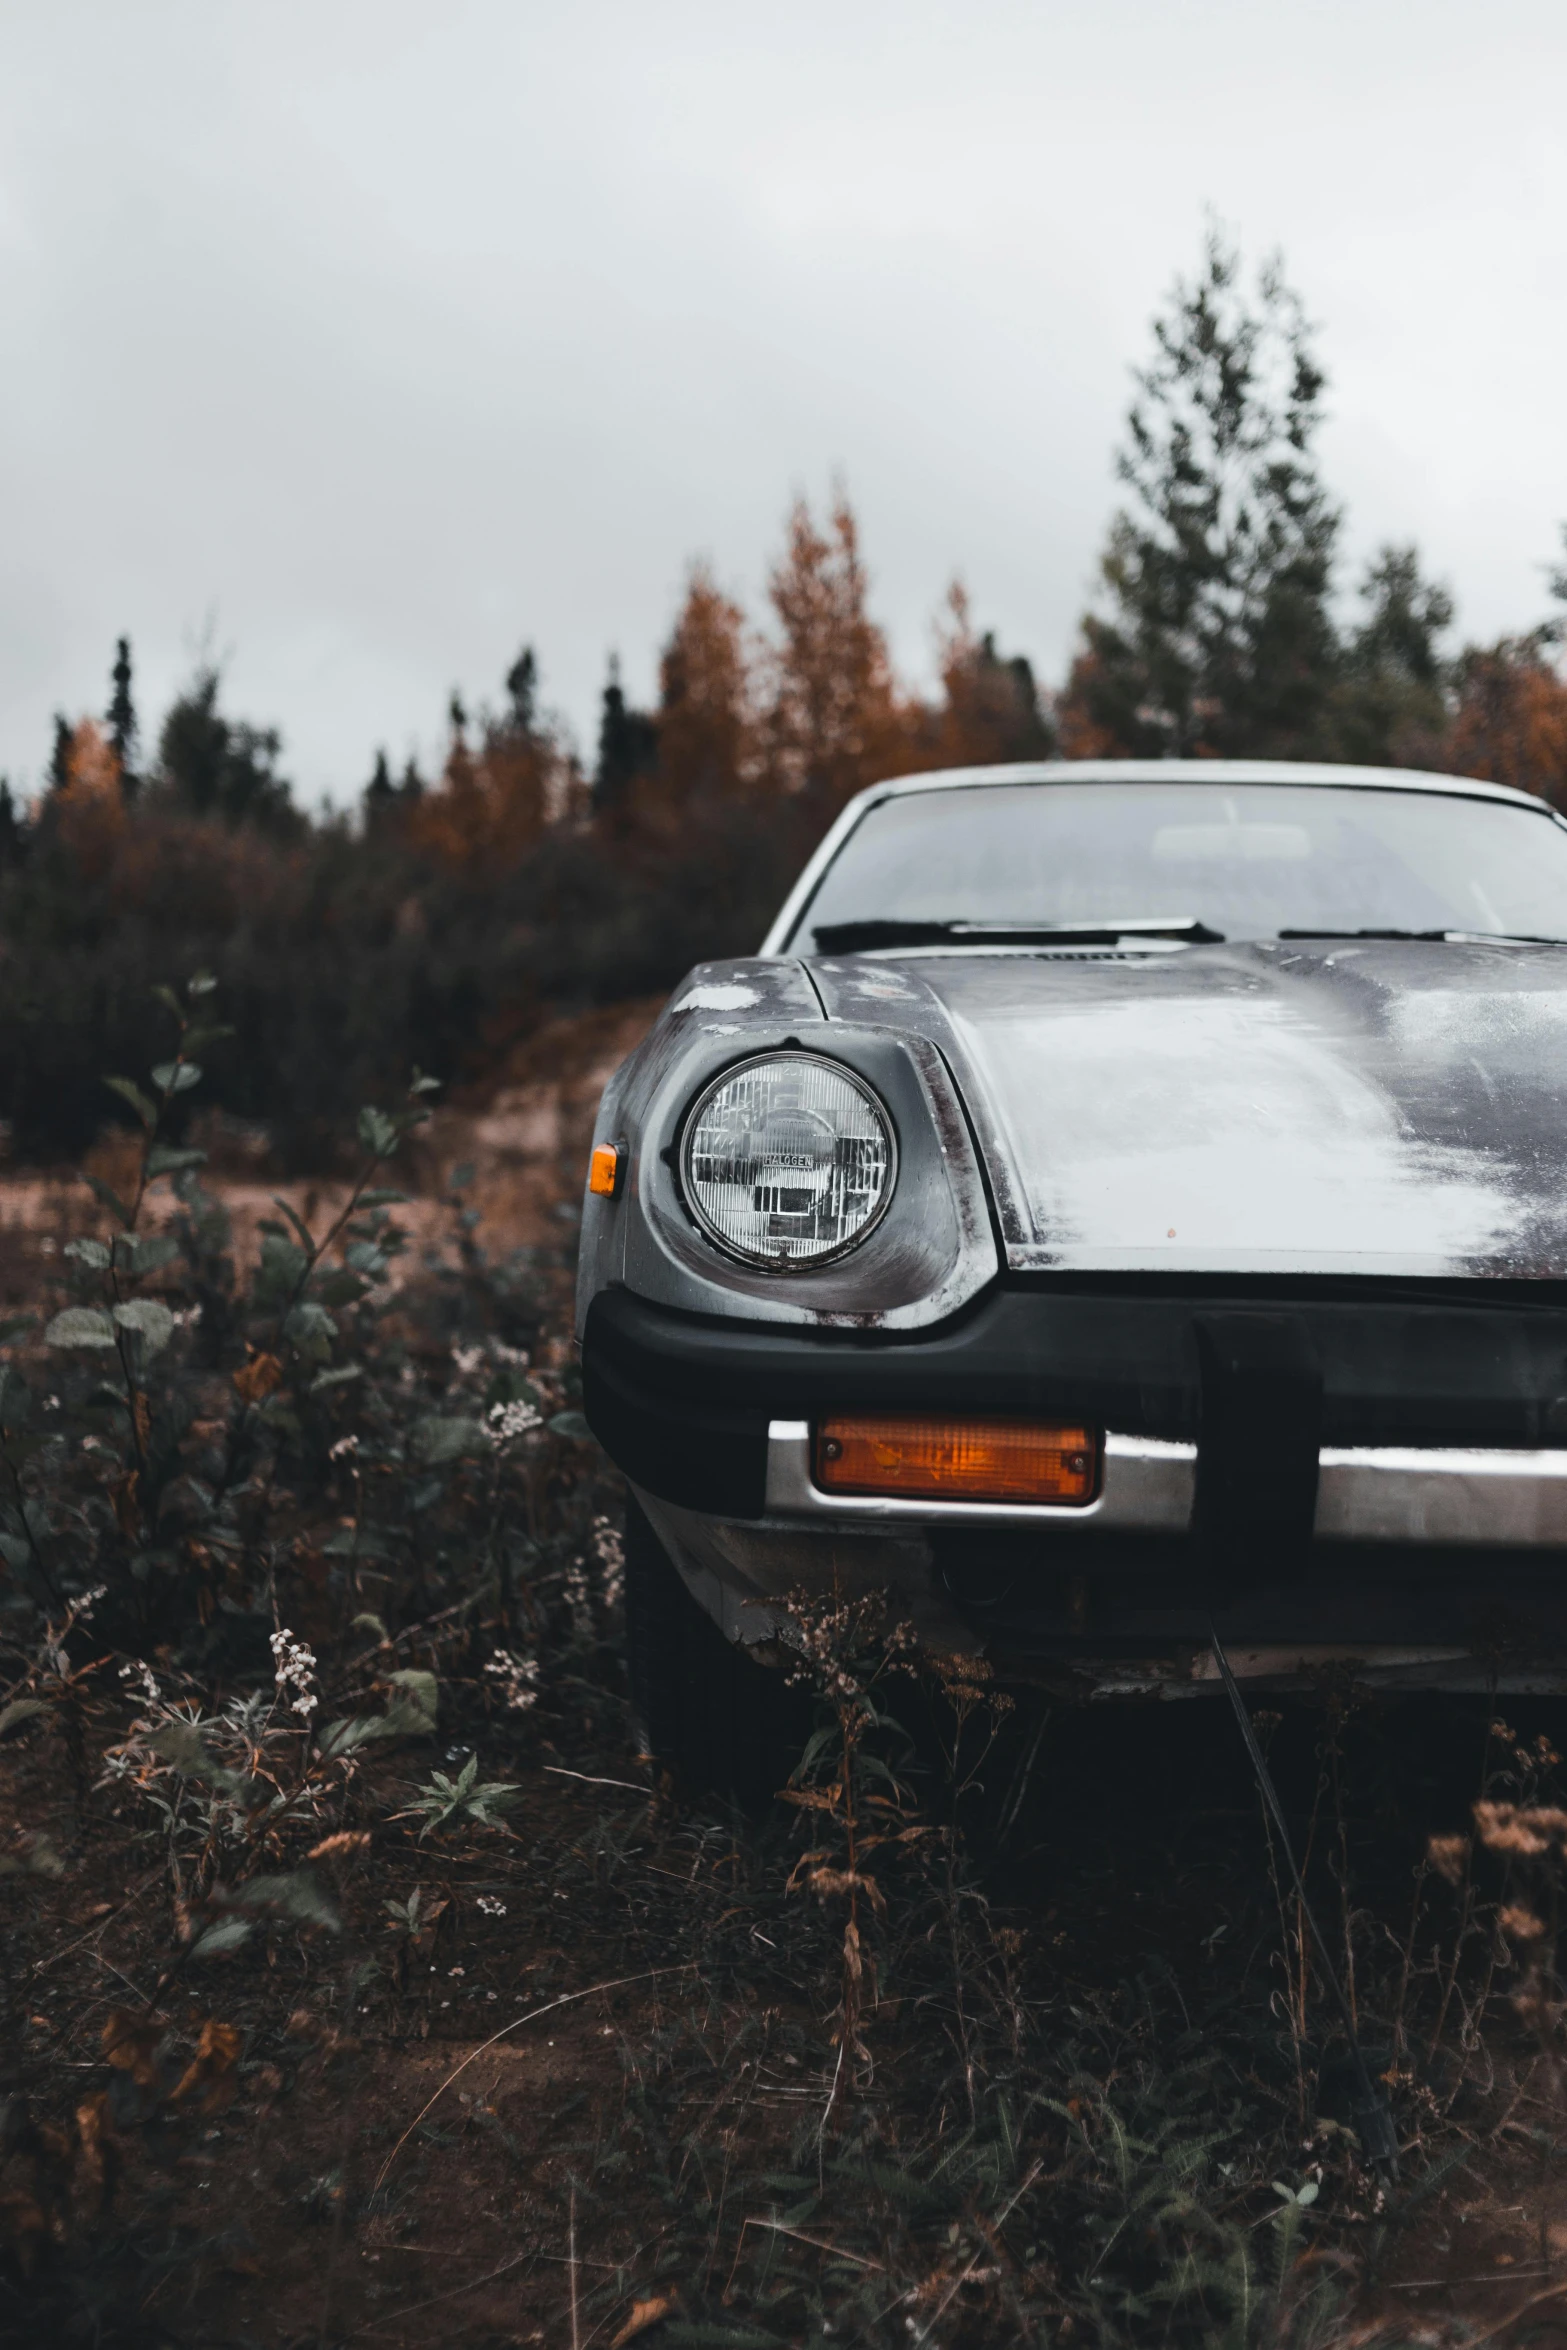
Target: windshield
(1240, 860)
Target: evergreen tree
(380, 794)
(60, 755)
(1390, 707)
(1007, 681)
(121, 717)
(1218, 639)
(992, 710)
(217, 766)
(13, 827)
(1405, 616)
(522, 686)
(628, 743)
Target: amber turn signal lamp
(604, 1169)
(956, 1460)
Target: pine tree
(121, 717)
(60, 755)
(218, 766)
(628, 744)
(522, 685)
(1390, 707)
(13, 827)
(991, 710)
(380, 793)
(1405, 616)
(1218, 639)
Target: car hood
(1371, 1107)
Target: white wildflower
(609, 1548)
(344, 1449)
(294, 1666)
(151, 1693)
(516, 1677)
(491, 1908)
(508, 1421)
(466, 1360)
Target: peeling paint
(717, 999)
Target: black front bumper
(1258, 1382)
(682, 1403)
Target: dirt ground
(601, 2084)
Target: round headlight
(788, 1160)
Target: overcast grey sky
(380, 337)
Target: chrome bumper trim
(1365, 1493)
(1146, 1484)
(1369, 1493)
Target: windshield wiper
(858, 938)
(1510, 938)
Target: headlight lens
(788, 1160)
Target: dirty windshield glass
(1244, 860)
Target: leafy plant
(467, 1800)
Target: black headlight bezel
(783, 1268)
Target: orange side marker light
(919, 1456)
(605, 1168)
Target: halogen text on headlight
(788, 1160)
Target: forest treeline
(436, 922)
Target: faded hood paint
(1368, 1107)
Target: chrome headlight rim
(782, 1267)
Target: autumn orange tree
(705, 734)
(810, 715)
(493, 801)
(990, 705)
(1510, 725)
(834, 718)
(90, 810)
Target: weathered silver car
(1116, 1194)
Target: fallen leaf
(130, 2044)
(643, 2314)
(209, 2077)
(261, 1376)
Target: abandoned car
(1120, 1200)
